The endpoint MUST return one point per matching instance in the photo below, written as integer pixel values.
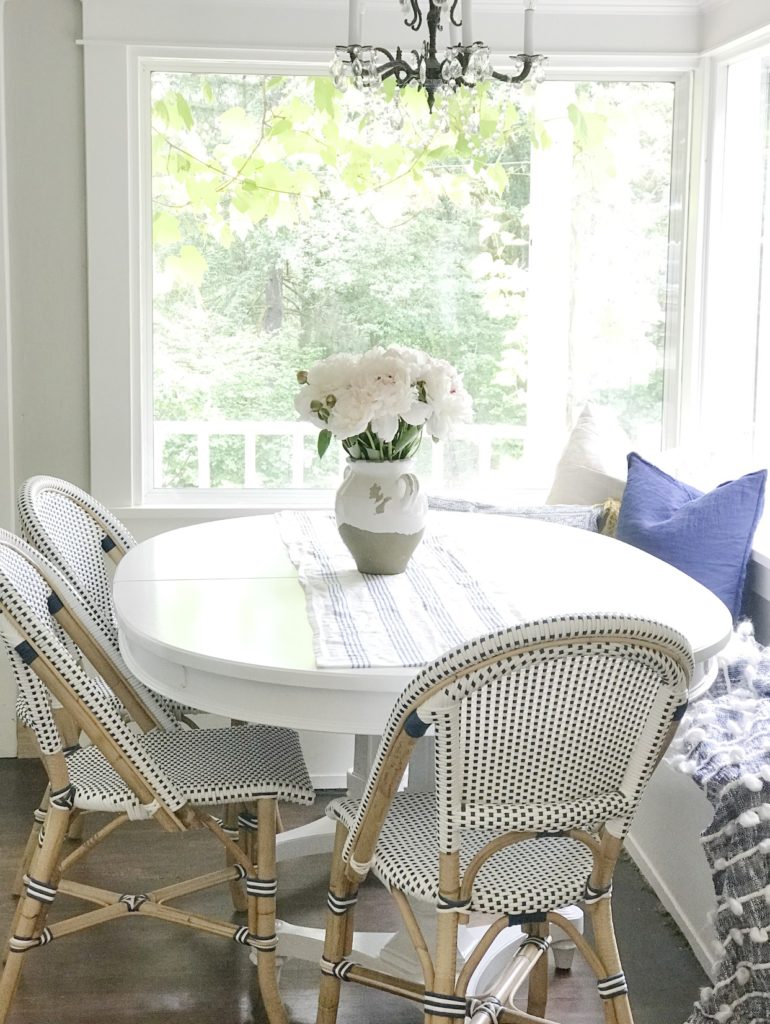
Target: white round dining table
(214, 615)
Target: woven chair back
(49, 675)
(81, 538)
(75, 532)
(546, 726)
(30, 563)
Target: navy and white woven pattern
(209, 767)
(724, 744)
(74, 531)
(519, 880)
(20, 554)
(70, 528)
(545, 726)
(34, 706)
(199, 765)
(360, 620)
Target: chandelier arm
(400, 70)
(452, 18)
(394, 65)
(416, 22)
(523, 74)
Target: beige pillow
(592, 466)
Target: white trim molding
(582, 26)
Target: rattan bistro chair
(82, 539)
(168, 776)
(545, 736)
(65, 605)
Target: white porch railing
(483, 436)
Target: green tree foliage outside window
(291, 221)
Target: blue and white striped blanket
(363, 621)
(724, 743)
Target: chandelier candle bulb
(529, 27)
(355, 22)
(467, 23)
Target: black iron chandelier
(465, 62)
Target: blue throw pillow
(708, 536)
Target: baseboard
(698, 940)
(331, 780)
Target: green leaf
(160, 111)
(331, 132)
(184, 111)
(590, 128)
(297, 111)
(202, 193)
(165, 228)
(278, 126)
(324, 91)
(324, 440)
(389, 87)
(440, 153)
(189, 267)
(498, 177)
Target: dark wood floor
(145, 972)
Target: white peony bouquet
(378, 404)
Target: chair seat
(209, 766)
(528, 877)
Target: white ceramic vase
(381, 512)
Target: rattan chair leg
(75, 828)
(537, 996)
(339, 933)
(617, 1009)
(444, 962)
(32, 844)
(31, 913)
(237, 894)
(262, 914)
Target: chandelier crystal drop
(463, 63)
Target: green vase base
(379, 554)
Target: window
(291, 220)
(735, 426)
(547, 266)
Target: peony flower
(350, 413)
(378, 403)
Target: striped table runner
(366, 621)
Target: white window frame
(117, 147)
(734, 375)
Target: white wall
(46, 237)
